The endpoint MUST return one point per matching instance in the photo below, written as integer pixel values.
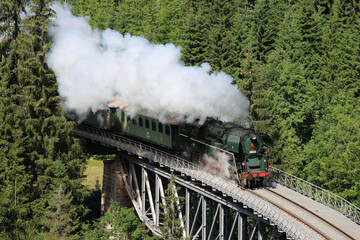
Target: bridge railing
(318, 194)
(144, 150)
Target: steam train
(242, 148)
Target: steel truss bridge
(211, 206)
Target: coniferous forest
(298, 62)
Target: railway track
(320, 225)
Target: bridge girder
(203, 213)
(258, 207)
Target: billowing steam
(220, 165)
(95, 67)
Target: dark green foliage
(219, 35)
(117, 223)
(193, 41)
(169, 21)
(240, 27)
(266, 18)
(252, 84)
(294, 64)
(130, 15)
(40, 166)
(58, 215)
(332, 157)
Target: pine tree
(218, 34)
(38, 152)
(252, 84)
(338, 126)
(170, 21)
(265, 19)
(240, 27)
(172, 228)
(14, 179)
(103, 14)
(193, 43)
(295, 63)
(117, 223)
(138, 18)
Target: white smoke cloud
(219, 165)
(94, 67)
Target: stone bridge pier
(113, 186)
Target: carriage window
(147, 124)
(134, 121)
(122, 116)
(128, 119)
(160, 126)
(153, 125)
(140, 122)
(167, 130)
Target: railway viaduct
(214, 207)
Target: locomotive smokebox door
(233, 143)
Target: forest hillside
(298, 62)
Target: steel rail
(319, 231)
(318, 194)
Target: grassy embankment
(94, 172)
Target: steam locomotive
(241, 150)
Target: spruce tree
(240, 27)
(38, 152)
(295, 62)
(103, 14)
(218, 34)
(172, 228)
(254, 87)
(14, 179)
(193, 43)
(265, 20)
(137, 17)
(170, 21)
(338, 126)
(58, 215)
(117, 223)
